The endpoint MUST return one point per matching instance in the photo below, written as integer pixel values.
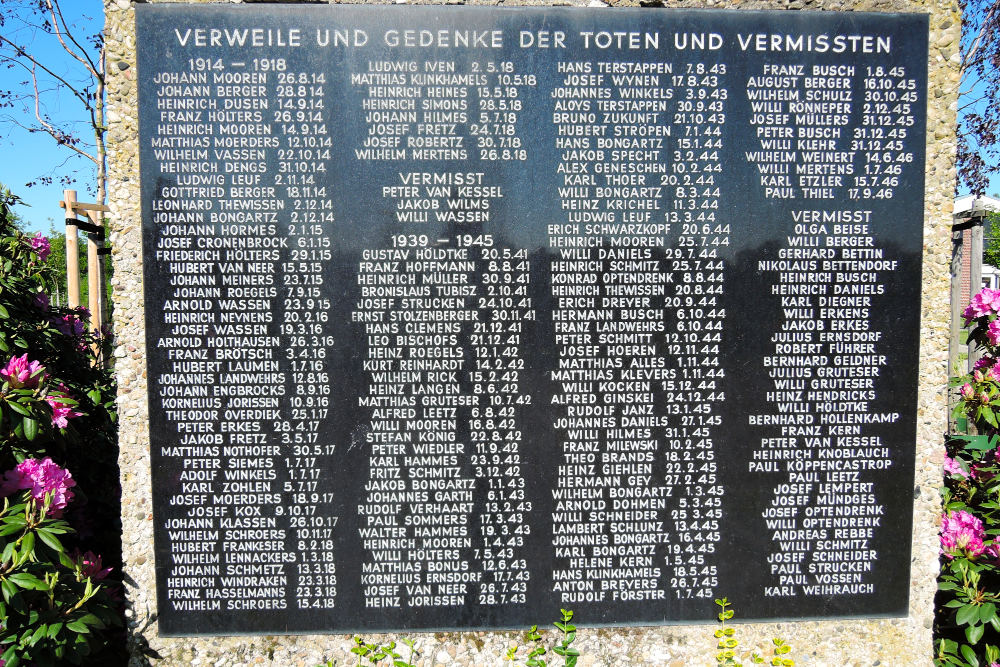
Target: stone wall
(890, 642)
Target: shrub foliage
(60, 537)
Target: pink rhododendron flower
(968, 392)
(993, 332)
(986, 302)
(953, 467)
(92, 567)
(40, 478)
(61, 412)
(962, 535)
(987, 369)
(41, 246)
(20, 373)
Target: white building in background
(991, 276)
(964, 205)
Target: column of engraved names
(300, 176)
(590, 525)
(824, 513)
(417, 510)
(181, 146)
(424, 388)
(444, 113)
(211, 145)
(799, 115)
(611, 285)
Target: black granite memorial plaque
(457, 316)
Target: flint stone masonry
(896, 641)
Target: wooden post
(95, 273)
(72, 252)
(94, 226)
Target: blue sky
(26, 156)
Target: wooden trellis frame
(93, 225)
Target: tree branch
(32, 128)
(56, 12)
(21, 53)
(52, 131)
(974, 48)
(33, 22)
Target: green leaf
(39, 633)
(25, 580)
(28, 543)
(8, 553)
(77, 626)
(54, 630)
(970, 655)
(978, 442)
(987, 611)
(8, 589)
(969, 613)
(90, 619)
(50, 540)
(9, 529)
(17, 602)
(974, 633)
(17, 407)
(30, 428)
(3, 312)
